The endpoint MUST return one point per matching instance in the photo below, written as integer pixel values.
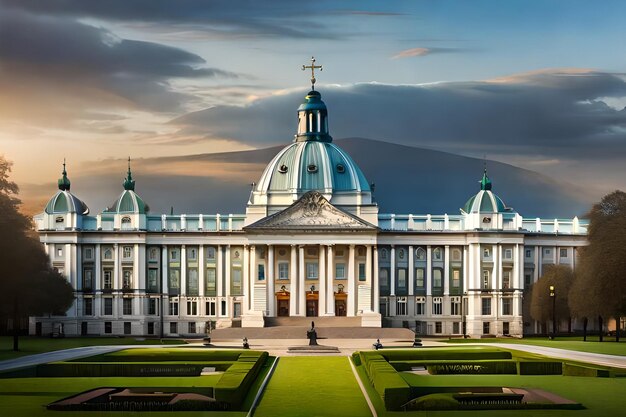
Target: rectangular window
(420, 306)
(437, 274)
(261, 272)
(456, 327)
(152, 306)
(362, 274)
(438, 327)
(508, 253)
(401, 306)
(455, 306)
(383, 277)
(419, 277)
(173, 310)
(456, 278)
(486, 328)
(127, 306)
(547, 251)
(127, 327)
(192, 254)
(153, 254)
(87, 279)
(59, 252)
(151, 327)
(192, 308)
(210, 308)
(107, 253)
(192, 281)
(486, 306)
(107, 279)
(173, 255)
(153, 280)
(507, 306)
(528, 253)
(88, 253)
(210, 254)
(173, 328)
(505, 328)
(236, 282)
(528, 279)
(108, 306)
(174, 280)
(108, 328)
(311, 270)
(340, 271)
(128, 252)
(88, 306)
(486, 280)
(506, 280)
(283, 270)
(127, 279)
(211, 281)
(437, 306)
(401, 278)
(191, 327)
(486, 253)
(563, 252)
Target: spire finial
(64, 182)
(312, 67)
(485, 182)
(129, 182)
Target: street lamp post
(553, 297)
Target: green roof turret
(485, 182)
(64, 182)
(129, 182)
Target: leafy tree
(561, 277)
(601, 286)
(28, 284)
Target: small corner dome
(128, 203)
(485, 201)
(65, 202)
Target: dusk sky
(537, 84)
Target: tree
(28, 284)
(559, 276)
(601, 285)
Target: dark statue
(312, 335)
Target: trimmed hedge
(391, 387)
(447, 354)
(125, 369)
(540, 368)
(165, 355)
(478, 367)
(570, 369)
(234, 384)
(488, 364)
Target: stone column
(321, 306)
(446, 271)
(368, 271)
(411, 272)
(253, 276)
(271, 296)
(301, 289)
(219, 287)
(227, 280)
(293, 282)
(392, 256)
(351, 283)
(165, 272)
(376, 284)
(116, 268)
(201, 272)
(97, 285)
(246, 279)
(183, 273)
(429, 273)
(330, 289)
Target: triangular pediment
(311, 212)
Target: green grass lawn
(592, 345)
(30, 345)
(312, 386)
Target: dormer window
(341, 169)
(311, 168)
(283, 169)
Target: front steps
(319, 321)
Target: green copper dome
(64, 201)
(485, 201)
(128, 202)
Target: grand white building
(312, 243)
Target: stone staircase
(319, 322)
(299, 332)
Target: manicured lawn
(28, 396)
(30, 345)
(608, 347)
(312, 386)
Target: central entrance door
(283, 308)
(312, 298)
(340, 308)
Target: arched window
(126, 223)
(437, 254)
(420, 253)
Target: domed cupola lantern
(128, 212)
(64, 210)
(486, 210)
(312, 163)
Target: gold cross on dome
(313, 67)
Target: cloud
(215, 18)
(413, 52)
(547, 115)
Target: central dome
(311, 163)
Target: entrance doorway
(83, 328)
(283, 308)
(340, 308)
(311, 308)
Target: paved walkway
(596, 358)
